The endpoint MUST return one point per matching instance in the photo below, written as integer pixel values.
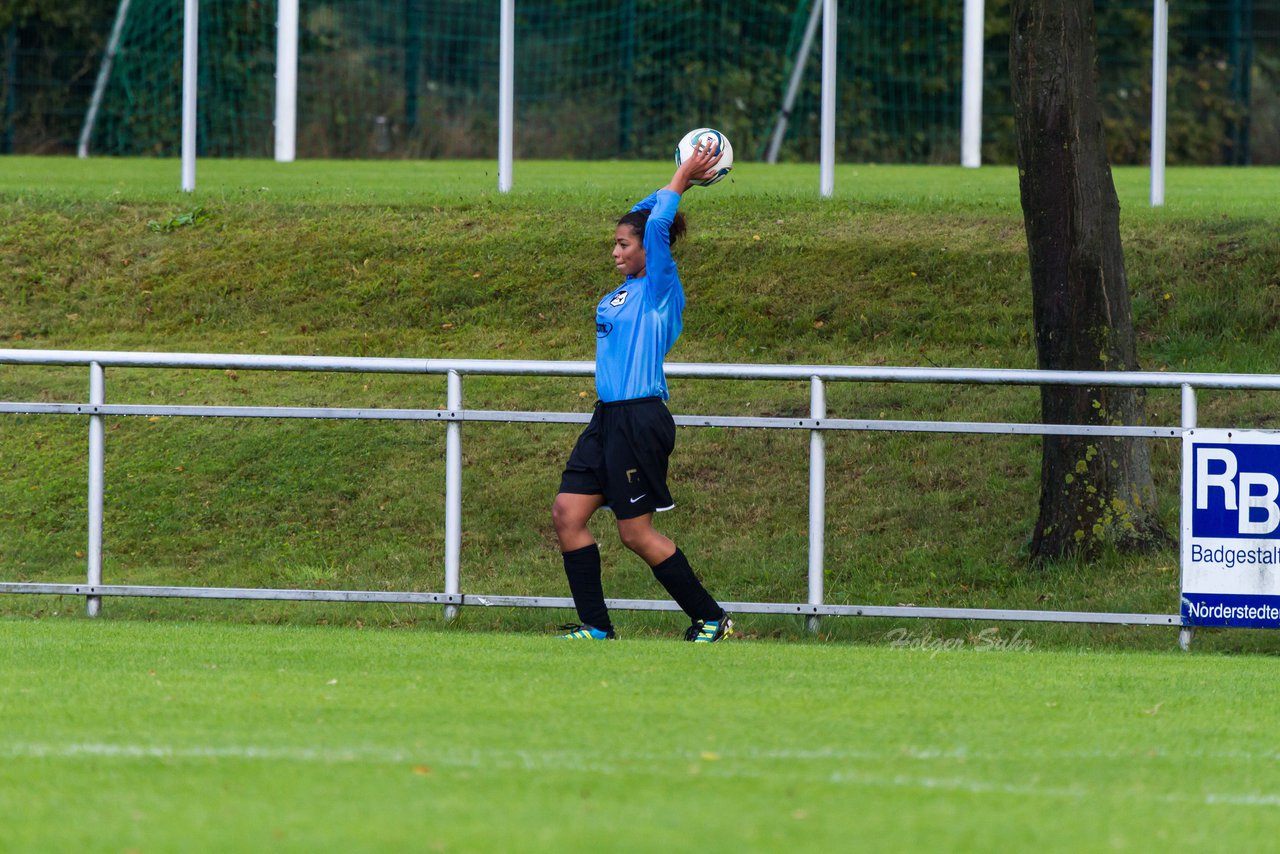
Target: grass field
(150, 737)
(1190, 191)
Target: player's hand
(700, 165)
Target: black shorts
(623, 455)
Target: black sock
(582, 567)
(677, 576)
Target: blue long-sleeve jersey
(638, 322)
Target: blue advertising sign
(1231, 528)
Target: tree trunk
(1093, 491)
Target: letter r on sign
(1223, 480)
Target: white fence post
(817, 497)
(1189, 418)
(97, 467)
(452, 494)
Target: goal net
(594, 78)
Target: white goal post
(286, 81)
(190, 57)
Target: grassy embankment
(905, 266)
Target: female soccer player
(620, 460)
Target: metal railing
(455, 414)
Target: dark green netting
(624, 78)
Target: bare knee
(564, 517)
(570, 515)
(561, 515)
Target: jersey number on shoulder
(619, 299)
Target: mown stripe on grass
(536, 759)
(723, 765)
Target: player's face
(628, 251)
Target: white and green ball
(718, 142)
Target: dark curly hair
(638, 219)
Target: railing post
(817, 497)
(97, 397)
(452, 493)
(1189, 416)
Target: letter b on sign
(1258, 491)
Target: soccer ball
(719, 143)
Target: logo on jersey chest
(618, 299)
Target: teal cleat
(577, 632)
(709, 631)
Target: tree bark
(1093, 491)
